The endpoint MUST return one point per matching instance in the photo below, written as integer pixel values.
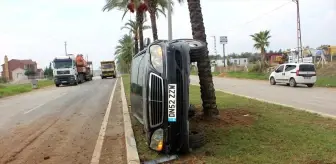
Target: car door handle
(283, 73)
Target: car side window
(280, 69)
(135, 68)
(141, 70)
(290, 67)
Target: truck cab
(65, 71)
(107, 69)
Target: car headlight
(156, 142)
(155, 52)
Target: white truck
(71, 70)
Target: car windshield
(307, 67)
(62, 64)
(107, 66)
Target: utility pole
(298, 23)
(215, 49)
(170, 33)
(223, 40)
(65, 48)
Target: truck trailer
(71, 70)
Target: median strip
(251, 131)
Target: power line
(262, 15)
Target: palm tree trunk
(139, 19)
(136, 45)
(204, 69)
(152, 14)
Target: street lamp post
(170, 33)
(65, 48)
(298, 23)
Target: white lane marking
(38, 106)
(276, 103)
(101, 136)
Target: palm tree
(130, 5)
(132, 26)
(261, 40)
(204, 69)
(124, 50)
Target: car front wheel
(272, 81)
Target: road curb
(131, 148)
(272, 102)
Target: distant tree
(261, 40)
(50, 71)
(46, 70)
(30, 73)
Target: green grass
(322, 81)
(248, 75)
(255, 132)
(326, 81)
(196, 73)
(13, 89)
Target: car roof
(298, 63)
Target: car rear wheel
(310, 85)
(272, 81)
(292, 82)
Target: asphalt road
(61, 125)
(320, 100)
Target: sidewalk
(116, 147)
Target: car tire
(196, 139)
(197, 49)
(57, 85)
(292, 82)
(310, 85)
(197, 55)
(191, 111)
(272, 81)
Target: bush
(3, 80)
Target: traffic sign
(223, 40)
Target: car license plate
(64, 81)
(306, 77)
(171, 102)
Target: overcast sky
(37, 29)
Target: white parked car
(293, 74)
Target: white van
(293, 74)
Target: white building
(18, 74)
(239, 61)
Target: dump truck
(71, 70)
(107, 69)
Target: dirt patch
(227, 117)
(222, 74)
(113, 150)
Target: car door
(289, 70)
(278, 74)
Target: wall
(239, 61)
(18, 75)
